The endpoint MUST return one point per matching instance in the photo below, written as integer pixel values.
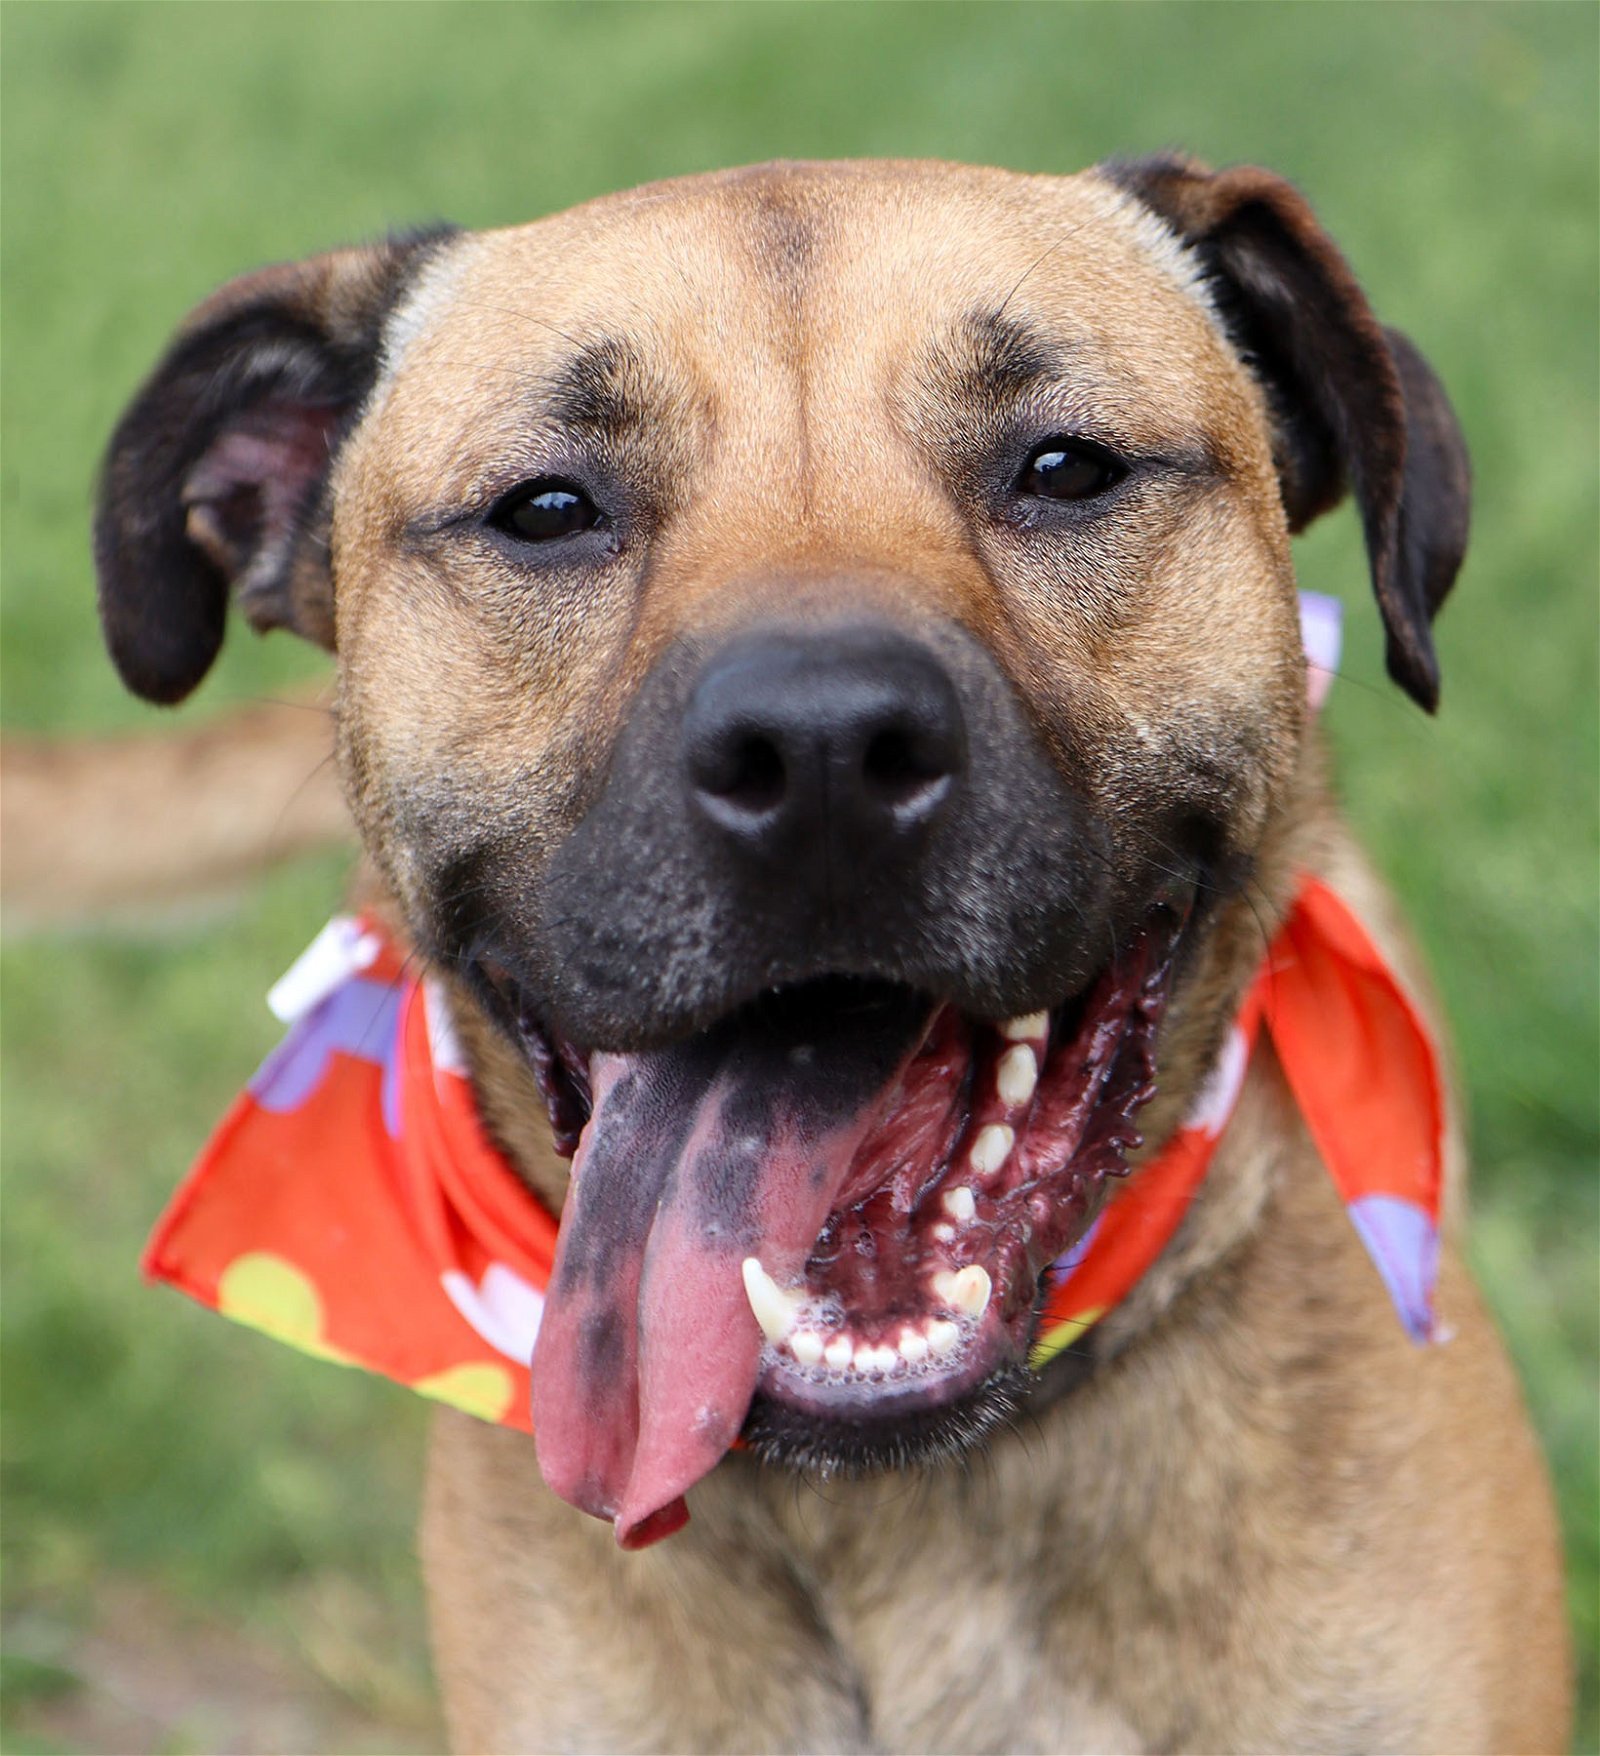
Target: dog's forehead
(802, 229)
(843, 278)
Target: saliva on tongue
(736, 1143)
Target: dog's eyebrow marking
(606, 390)
(994, 363)
(995, 368)
(1005, 358)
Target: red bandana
(351, 1205)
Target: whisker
(1038, 262)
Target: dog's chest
(948, 1611)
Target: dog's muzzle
(807, 801)
(836, 1000)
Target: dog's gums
(824, 1222)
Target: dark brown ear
(215, 481)
(1353, 404)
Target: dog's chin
(891, 1180)
(891, 1430)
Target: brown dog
(767, 606)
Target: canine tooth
(943, 1335)
(1016, 1076)
(971, 1290)
(774, 1308)
(913, 1346)
(839, 1352)
(991, 1149)
(1030, 1024)
(960, 1203)
(944, 1286)
(806, 1346)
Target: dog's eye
(1070, 469)
(544, 510)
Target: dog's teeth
(970, 1290)
(913, 1346)
(960, 1203)
(806, 1346)
(991, 1149)
(966, 1290)
(839, 1352)
(943, 1335)
(774, 1308)
(1030, 1024)
(1016, 1076)
(944, 1232)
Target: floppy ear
(215, 481)
(1352, 403)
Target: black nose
(824, 745)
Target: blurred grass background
(208, 1538)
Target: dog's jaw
(825, 1221)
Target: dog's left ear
(215, 481)
(1352, 403)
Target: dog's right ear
(215, 482)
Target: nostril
(902, 768)
(795, 743)
(748, 775)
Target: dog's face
(819, 658)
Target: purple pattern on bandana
(359, 1018)
(1404, 1243)
(1321, 633)
(1065, 1266)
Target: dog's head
(819, 659)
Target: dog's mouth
(826, 1222)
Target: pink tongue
(734, 1144)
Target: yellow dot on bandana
(485, 1391)
(275, 1297)
(1064, 1335)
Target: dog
(813, 641)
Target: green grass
(150, 152)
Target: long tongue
(734, 1144)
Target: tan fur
(1268, 1522)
